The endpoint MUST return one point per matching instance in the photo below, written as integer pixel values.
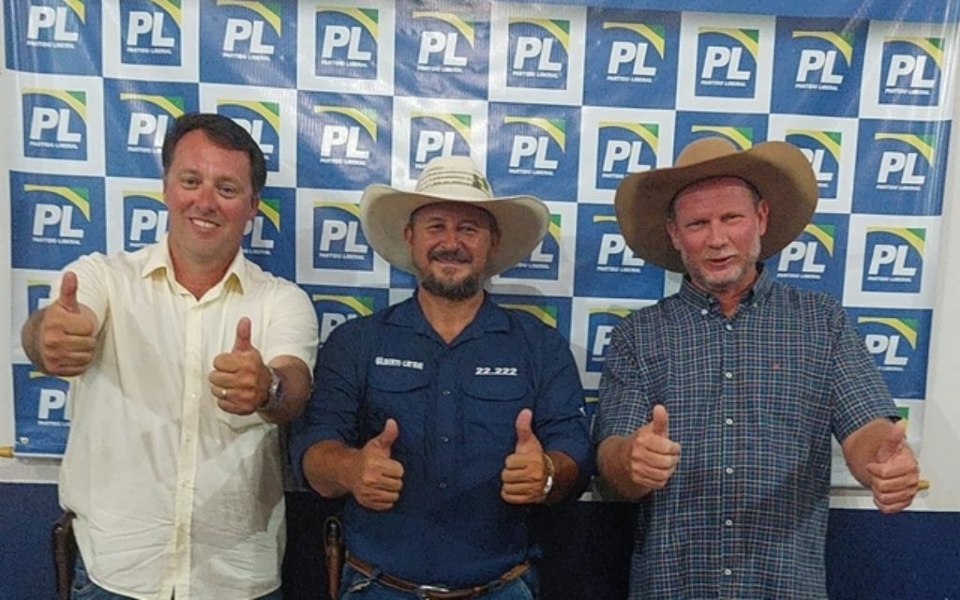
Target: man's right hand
(377, 478)
(67, 341)
(653, 456)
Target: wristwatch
(274, 392)
(551, 471)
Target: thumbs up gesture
(525, 470)
(377, 478)
(66, 335)
(240, 380)
(653, 455)
(895, 475)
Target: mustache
(457, 255)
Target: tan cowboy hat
(384, 211)
(778, 170)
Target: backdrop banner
(558, 100)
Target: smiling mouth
(203, 223)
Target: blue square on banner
(632, 60)
(901, 167)
(544, 261)
(442, 51)
(337, 305)
(151, 33)
(40, 411)
(58, 219)
(899, 341)
(912, 70)
(534, 149)
(249, 43)
(817, 259)
(606, 267)
(270, 237)
(743, 130)
(137, 115)
(51, 36)
(343, 141)
(818, 67)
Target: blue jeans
(356, 586)
(85, 589)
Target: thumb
(68, 293)
(243, 335)
(384, 441)
(892, 443)
(524, 426)
(660, 420)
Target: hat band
(441, 179)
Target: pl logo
(727, 62)
(55, 123)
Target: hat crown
(704, 149)
(455, 177)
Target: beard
(464, 289)
(719, 283)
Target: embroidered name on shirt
(508, 371)
(383, 361)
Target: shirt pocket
(491, 404)
(400, 394)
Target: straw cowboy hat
(778, 170)
(384, 211)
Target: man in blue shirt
(445, 418)
(717, 405)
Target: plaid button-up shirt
(753, 401)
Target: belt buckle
(423, 591)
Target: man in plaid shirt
(717, 405)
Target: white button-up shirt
(171, 492)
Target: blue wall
(911, 556)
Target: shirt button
(727, 572)
(443, 485)
(728, 375)
(728, 327)
(446, 392)
(444, 439)
(729, 470)
(728, 522)
(704, 312)
(729, 421)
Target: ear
(408, 235)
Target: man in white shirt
(186, 357)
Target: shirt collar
(489, 317)
(704, 300)
(158, 261)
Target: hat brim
(385, 211)
(778, 170)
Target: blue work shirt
(753, 401)
(456, 407)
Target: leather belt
(434, 592)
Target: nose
(450, 237)
(205, 198)
(717, 235)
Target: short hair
(222, 131)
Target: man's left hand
(895, 475)
(525, 471)
(239, 380)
